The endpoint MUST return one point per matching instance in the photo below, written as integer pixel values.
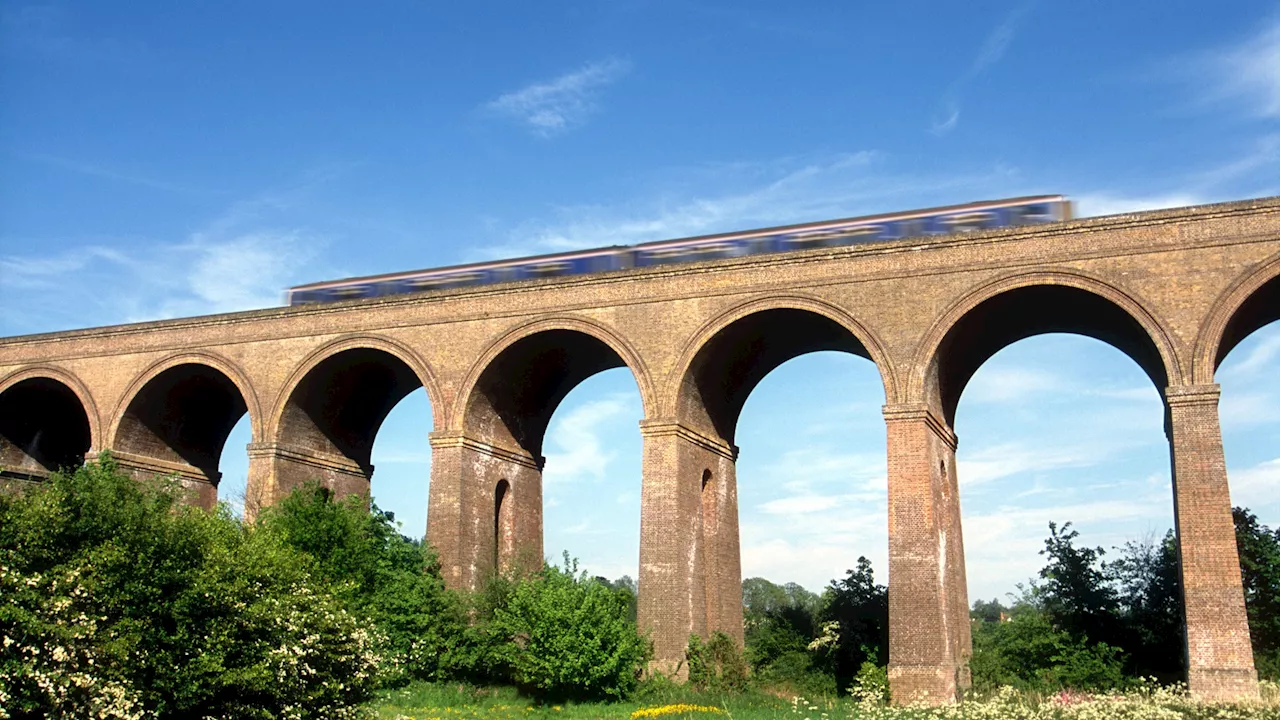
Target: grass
(457, 702)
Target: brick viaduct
(1175, 290)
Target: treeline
(1082, 623)
(116, 600)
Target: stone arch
(1249, 303)
(805, 324)
(48, 420)
(181, 410)
(556, 354)
(1015, 307)
(339, 395)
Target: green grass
(455, 702)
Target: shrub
(716, 664)
(390, 580)
(567, 636)
(119, 602)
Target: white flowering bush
(116, 602)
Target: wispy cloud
(582, 452)
(993, 49)
(555, 106)
(759, 194)
(1248, 72)
(1257, 487)
(1010, 459)
(1099, 204)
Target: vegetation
(118, 601)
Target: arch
(808, 323)
(378, 372)
(47, 421)
(1249, 303)
(1023, 305)
(224, 365)
(559, 353)
(403, 353)
(182, 409)
(72, 381)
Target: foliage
(716, 664)
(119, 602)
(1260, 572)
(780, 621)
(856, 616)
(1076, 593)
(382, 576)
(567, 636)
(1146, 577)
(1027, 652)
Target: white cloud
(1250, 71)
(802, 504)
(581, 451)
(1007, 459)
(1099, 204)
(555, 106)
(1261, 357)
(793, 190)
(1258, 488)
(1000, 384)
(993, 49)
(1238, 410)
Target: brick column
(277, 469)
(464, 525)
(1219, 654)
(690, 564)
(201, 484)
(929, 643)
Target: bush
(717, 664)
(120, 602)
(390, 580)
(566, 636)
(1028, 653)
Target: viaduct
(1175, 290)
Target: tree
(1146, 577)
(985, 611)
(859, 609)
(1076, 594)
(1259, 549)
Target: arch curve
(182, 408)
(1026, 304)
(809, 324)
(224, 365)
(596, 330)
(1248, 303)
(405, 354)
(73, 382)
(48, 421)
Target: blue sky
(171, 159)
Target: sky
(172, 159)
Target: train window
(965, 222)
(551, 269)
(1031, 214)
(349, 292)
(667, 255)
(464, 279)
(432, 282)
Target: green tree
(1076, 593)
(858, 610)
(117, 600)
(566, 636)
(1259, 549)
(1146, 577)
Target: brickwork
(1173, 289)
(1219, 656)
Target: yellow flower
(680, 709)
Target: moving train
(832, 233)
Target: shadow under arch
(48, 422)
(1250, 303)
(1021, 306)
(735, 351)
(339, 396)
(514, 389)
(180, 410)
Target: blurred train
(833, 233)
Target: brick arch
(1147, 341)
(74, 383)
(597, 340)
(182, 408)
(1250, 302)
(859, 340)
(415, 362)
(222, 364)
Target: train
(947, 220)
